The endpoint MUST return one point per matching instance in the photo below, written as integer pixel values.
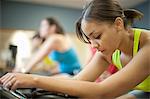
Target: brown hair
(53, 21)
(37, 36)
(105, 11)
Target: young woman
(57, 46)
(48, 65)
(106, 26)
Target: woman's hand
(17, 80)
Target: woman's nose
(94, 44)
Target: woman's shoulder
(55, 37)
(145, 30)
(145, 37)
(59, 37)
(61, 40)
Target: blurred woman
(47, 66)
(57, 46)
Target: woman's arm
(93, 69)
(121, 82)
(136, 71)
(45, 49)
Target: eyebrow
(91, 33)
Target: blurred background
(19, 19)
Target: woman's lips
(101, 50)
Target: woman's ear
(119, 24)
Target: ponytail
(105, 11)
(130, 15)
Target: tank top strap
(137, 33)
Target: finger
(2, 77)
(15, 85)
(0, 81)
(5, 77)
(8, 79)
(10, 83)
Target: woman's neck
(126, 45)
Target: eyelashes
(98, 37)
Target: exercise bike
(31, 93)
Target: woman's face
(103, 36)
(36, 42)
(46, 29)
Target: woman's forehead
(90, 26)
(87, 27)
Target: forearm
(71, 87)
(35, 60)
(32, 64)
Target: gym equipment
(31, 93)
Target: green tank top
(145, 85)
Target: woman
(57, 46)
(106, 26)
(47, 63)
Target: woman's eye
(98, 37)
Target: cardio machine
(31, 93)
